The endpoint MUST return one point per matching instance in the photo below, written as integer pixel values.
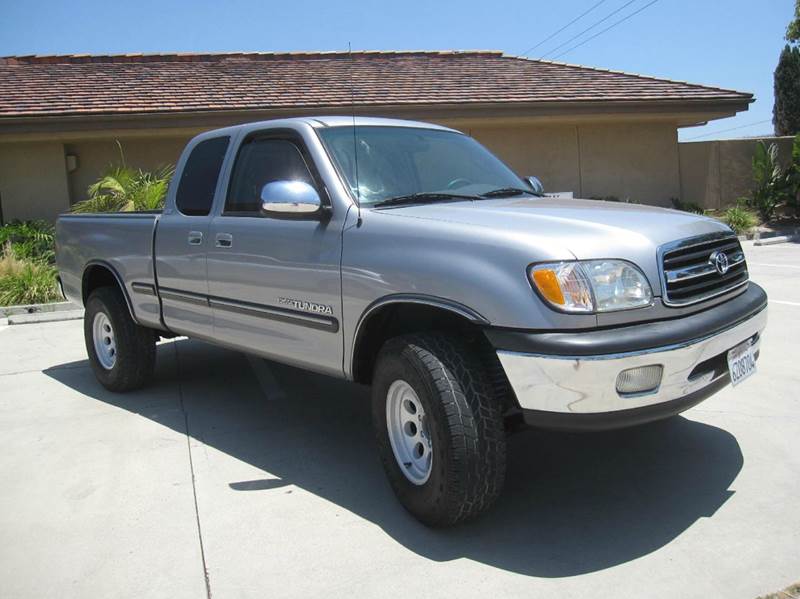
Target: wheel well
(100, 275)
(97, 276)
(402, 318)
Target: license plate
(741, 362)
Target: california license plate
(741, 362)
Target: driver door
(274, 282)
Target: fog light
(639, 380)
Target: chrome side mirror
(290, 197)
(535, 184)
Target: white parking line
(773, 265)
(785, 303)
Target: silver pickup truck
(405, 256)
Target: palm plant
(124, 189)
(772, 185)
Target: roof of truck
(366, 121)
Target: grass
(25, 281)
(27, 258)
(740, 219)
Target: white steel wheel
(105, 345)
(409, 432)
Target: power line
(730, 129)
(574, 37)
(588, 39)
(552, 35)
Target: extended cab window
(199, 178)
(261, 161)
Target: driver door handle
(195, 237)
(224, 240)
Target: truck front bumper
(577, 389)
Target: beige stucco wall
(638, 161)
(33, 182)
(96, 156)
(714, 174)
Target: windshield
(402, 161)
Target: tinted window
(199, 177)
(259, 162)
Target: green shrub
(123, 189)
(740, 219)
(29, 240)
(772, 182)
(26, 281)
(686, 206)
(614, 199)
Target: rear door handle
(224, 240)
(195, 237)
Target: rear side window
(261, 161)
(199, 178)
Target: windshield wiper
(507, 192)
(423, 198)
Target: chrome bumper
(587, 384)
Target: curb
(34, 313)
(776, 240)
(37, 317)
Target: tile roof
(88, 85)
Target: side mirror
(535, 184)
(290, 197)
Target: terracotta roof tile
(163, 83)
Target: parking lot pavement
(237, 477)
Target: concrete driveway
(235, 477)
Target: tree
(793, 30)
(786, 111)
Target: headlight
(591, 285)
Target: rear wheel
(439, 428)
(122, 354)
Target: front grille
(694, 269)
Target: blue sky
(733, 44)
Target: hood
(589, 229)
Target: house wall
(94, 157)
(33, 182)
(636, 160)
(715, 174)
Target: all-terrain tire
(135, 346)
(464, 420)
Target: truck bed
(121, 240)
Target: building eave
(682, 112)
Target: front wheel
(439, 428)
(122, 353)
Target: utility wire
(552, 35)
(574, 37)
(588, 39)
(730, 129)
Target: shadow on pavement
(573, 503)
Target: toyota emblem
(719, 260)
